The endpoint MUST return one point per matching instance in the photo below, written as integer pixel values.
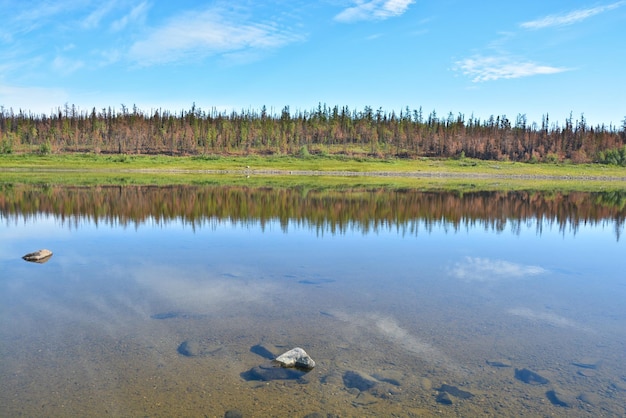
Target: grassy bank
(318, 171)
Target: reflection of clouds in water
(115, 299)
(547, 318)
(476, 269)
(389, 328)
(196, 292)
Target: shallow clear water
(404, 318)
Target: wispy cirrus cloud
(136, 14)
(500, 65)
(93, 19)
(476, 269)
(66, 66)
(482, 68)
(196, 35)
(569, 18)
(373, 10)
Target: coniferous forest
(332, 130)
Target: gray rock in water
(189, 348)
(392, 377)
(358, 380)
(195, 348)
(454, 391)
(296, 357)
(233, 413)
(271, 371)
(530, 377)
(40, 256)
(587, 363)
(560, 398)
(443, 398)
(499, 363)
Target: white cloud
(66, 66)
(136, 14)
(373, 10)
(93, 19)
(481, 68)
(476, 269)
(197, 35)
(28, 19)
(569, 18)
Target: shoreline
(325, 173)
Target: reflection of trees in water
(336, 211)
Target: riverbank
(311, 170)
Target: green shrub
(615, 156)
(303, 152)
(45, 148)
(6, 147)
(551, 158)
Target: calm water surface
(159, 301)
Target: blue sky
(482, 57)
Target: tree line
(334, 130)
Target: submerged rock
(380, 385)
(233, 413)
(292, 365)
(592, 364)
(454, 391)
(196, 348)
(40, 256)
(272, 371)
(358, 380)
(499, 363)
(189, 348)
(530, 377)
(296, 357)
(444, 399)
(560, 398)
(586, 373)
(393, 377)
(320, 415)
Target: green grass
(321, 171)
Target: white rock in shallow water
(40, 256)
(296, 357)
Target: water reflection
(336, 211)
(485, 269)
(165, 302)
(548, 318)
